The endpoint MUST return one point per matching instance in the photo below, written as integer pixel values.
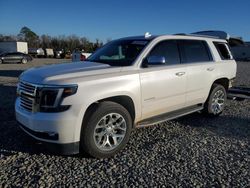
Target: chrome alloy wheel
(110, 131)
(218, 102)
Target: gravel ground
(192, 151)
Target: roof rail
(220, 34)
(180, 34)
(196, 35)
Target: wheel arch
(124, 100)
(222, 81)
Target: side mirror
(156, 60)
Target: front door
(163, 86)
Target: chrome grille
(27, 93)
(27, 88)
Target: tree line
(68, 43)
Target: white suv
(131, 82)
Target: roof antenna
(147, 35)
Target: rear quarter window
(223, 50)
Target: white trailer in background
(14, 47)
(49, 52)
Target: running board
(168, 116)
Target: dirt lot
(192, 151)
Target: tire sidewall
(215, 88)
(87, 139)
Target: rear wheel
(106, 131)
(24, 61)
(216, 101)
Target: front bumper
(63, 149)
(55, 130)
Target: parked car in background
(79, 55)
(59, 53)
(68, 55)
(49, 52)
(40, 52)
(15, 57)
(32, 52)
(36, 52)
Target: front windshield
(119, 52)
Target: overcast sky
(116, 18)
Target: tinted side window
(223, 50)
(194, 51)
(16, 54)
(9, 54)
(167, 49)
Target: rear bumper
(232, 82)
(62, 149)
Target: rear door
(200, 69)
(17, 57)
(163, 86)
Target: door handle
(210, 69)
(179, 73)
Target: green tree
(26, 34)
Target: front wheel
(106, 131)
(216, 101)
(24, 61)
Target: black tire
(94, 117)
(210, 105)
(24, 61)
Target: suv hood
(53, 74)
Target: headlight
(50, 98)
